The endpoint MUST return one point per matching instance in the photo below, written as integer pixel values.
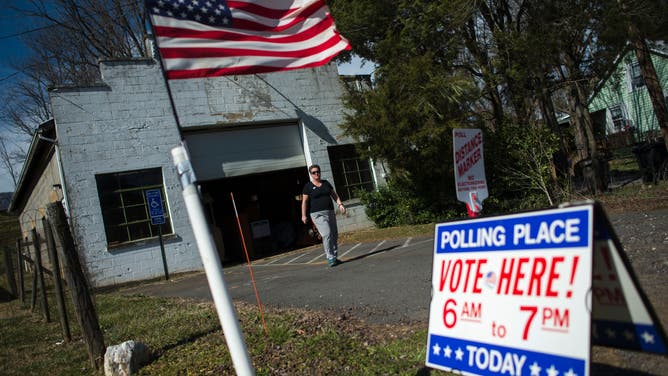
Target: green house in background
(621, 104)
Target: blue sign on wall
(154, 201)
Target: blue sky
(13, 51)
(356, 67)
(10, 24)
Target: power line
(9, 76)
(26, 32)
(122, 5)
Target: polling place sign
(469, 165)
(622, 316)
(511, 294)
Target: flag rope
(250, 268)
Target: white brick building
(252, 136)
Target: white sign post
(469, 168)
(511, 294)
(212, 265)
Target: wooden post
(55, 265)
(78, 285)
(40, 273)
(33, 288)
(9, 270)
(19, 269)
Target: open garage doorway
(269, 208)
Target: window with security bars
(125, 210)
(352, 174)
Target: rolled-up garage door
(244, 151)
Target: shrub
(393, 205)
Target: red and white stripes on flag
(203, 38)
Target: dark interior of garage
(269, 213)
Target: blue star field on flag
(208, 12)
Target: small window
(351, 173)
(358, 83)
(636, 76)
(619, 118)
(124, 209)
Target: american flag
(490, 280)
(203, 38)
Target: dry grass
(635, 197)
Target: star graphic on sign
(535, 369)
(628, 335)
(447, 351)
(647, 337)
(570, 373)
(552, 371)
(437, 349)
(459, 354)
(610, 333)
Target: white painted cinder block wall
(125, 125)
(128, 124)
(310, 96)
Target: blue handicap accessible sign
(154, 202)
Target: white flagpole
(212, 265)
(207, 247)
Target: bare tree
(646, 18)
(7, 161)
(651, 79)
(27, 105)
(65, 46)
(102, 28)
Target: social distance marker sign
(510, 294)
(469, 164)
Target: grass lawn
(185, 338)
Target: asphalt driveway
(389, 281)
(386, 281)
